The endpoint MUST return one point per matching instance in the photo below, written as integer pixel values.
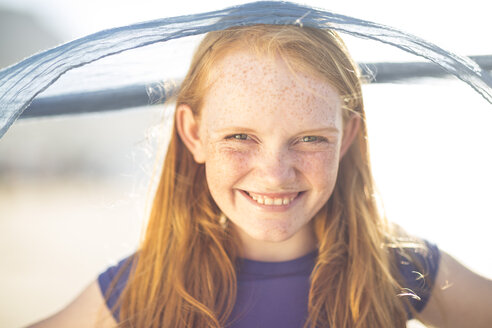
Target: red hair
(185, 273)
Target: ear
(349, 133)
(188, 129)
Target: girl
(265, 214)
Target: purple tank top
(275, 294)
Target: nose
(276, 167)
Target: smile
(272, 199)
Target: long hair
(185, 269)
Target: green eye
(239, 136)
(309, 139)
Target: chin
(271, 235)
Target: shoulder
(460, 298)
(417, 263)
(417, 260)
(96, 304)
(113, 281)
(87, 310)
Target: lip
(274, 208)
(275, 195)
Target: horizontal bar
(393, 72)
(153, 93)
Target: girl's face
(271, 142)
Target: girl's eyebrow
(234, 129)
(330, 129)
(327, 129)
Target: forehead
(245, 84)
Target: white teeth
(264, 200)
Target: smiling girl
(265, 214)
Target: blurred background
(74, 189)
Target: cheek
(319, 168)
(225, 166)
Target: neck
(300, 244)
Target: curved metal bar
(21, 83)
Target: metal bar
(153, 93)
(393, 72)
(100, 100)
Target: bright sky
(457, 25)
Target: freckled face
(271, 141)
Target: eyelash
(244, 137)
(318, 139)
(238, 136)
